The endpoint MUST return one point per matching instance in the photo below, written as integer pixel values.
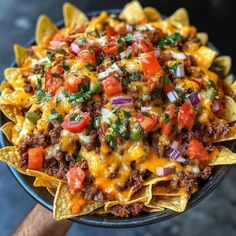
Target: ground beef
(205, 173)
(31, 141)
(24, 110)
(135, 180)
(125, 211)
(54, 135)
(94, 141)
(28, 88)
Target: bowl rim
(113, 222)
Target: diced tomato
(88, 57)
(166, 128)
(110, 31)
(150, 64)
(58, 37)
(186, 116)
(35, 158)
(75, 177)
(153, 35)
(53, 79)
(141, 47)
(196, 150)
(111, 86)
(147, 123)
(76, 126)
(123, 29)
(168, 86)
(172, 113)
(217, 107)
(71, 84)
(111, 48)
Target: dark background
(213, 216)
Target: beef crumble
(125, 211)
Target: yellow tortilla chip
(229, 113)
(44, 180)
(203, 37)
(4, 85)
(152, 14)
(52, 191)
(156, 180)
(64, 204)
(15, 98)
(229, 80)
(14, 77)
(180, 17)
(73, 17)
(21, 54)
(163, 191)
(9, 112)
(133, 13)
(225, 157)
(230, 136)
(205, 56)
(225, 62)
(10, 156)
(152, 208)
(45, 29)
(7, 130)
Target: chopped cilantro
(56, 75)
(129, 38)
(120, 41)
(80, 41)
(82, 96)
(169, 40)
(173, 68)
(50, 55)
(148, 35)
(91, 50)
(90, 66)
(111, 141)
(66, 65)
(138, 134)
(166, 118)
(120, 49)
(138, 47)
(41, 95)
(156, 93)
(212, 84)
(75, 117)
(61, 51)
(166, 80)
(55, 115)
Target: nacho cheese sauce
(111, 104)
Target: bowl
(42, 196)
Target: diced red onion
(138, 36)
(164, 171)
(178, 55)
(175, 145)
(194, 98)
(180, 72)
(109, 70)
(145, 109)
(126, 53)
(55, 43)
(173, 96)
(75, 48)
(121, 100)
(173, 153)
(215, 106)
(195, 169)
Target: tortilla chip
(52, 191)
(21, 54)
(205, 56)
(16, 98)
(157, 180)
(174, 203)
(152, 208)
(229, 80)
(64, 203)
(133, 13)
(14, 77)
(152, 14)
(44, 180)
(10, 156)
(9, 112)
(230, 136)
(229, 113)
(45, 29)
(225, 62)
(225, 157)
(203, 37)
(4, 85)
(73, 17)
(7, 130)
(163, 191)
(180, 17)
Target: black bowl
(42, 196)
